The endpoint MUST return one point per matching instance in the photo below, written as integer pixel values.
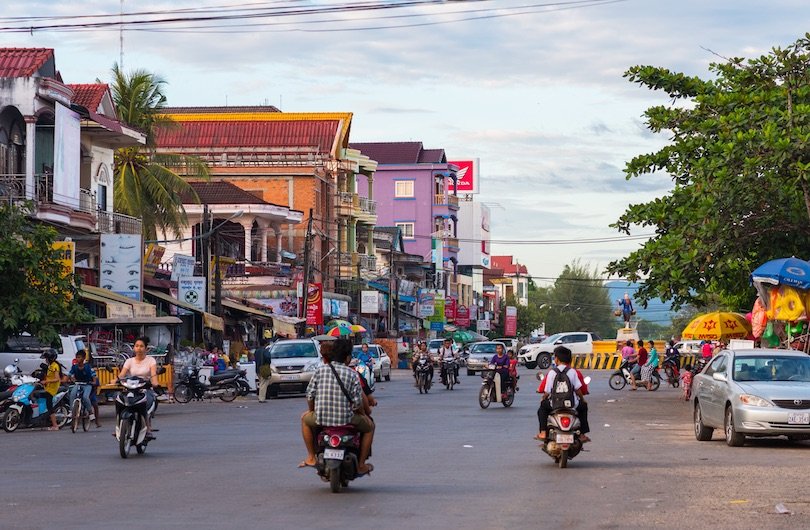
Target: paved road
(441, 462)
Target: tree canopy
(739, 158)
(36, 296)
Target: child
(513, 369)
(686, 381)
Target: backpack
(562, 391)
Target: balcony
(368, 206)
(344, 205)
(450, 242)
(117, 223)
(368, 263)
(441, 199)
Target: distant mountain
(658, 311)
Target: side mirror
(558, 341)
(717, 376)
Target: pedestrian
(650, 366)
(686, 382)
(626, 306)
(706, 350)
(265, 370)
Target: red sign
(466, 176)
(450, 309)
(315, 304)
(510, 326)
(462, 316)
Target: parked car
(511, 343)
(382, 363)
(293, 362)
(540, 354)
(480, 355)
(756, 392)
(688, 347)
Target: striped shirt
(331, 405)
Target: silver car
(293, 363)
(480, 355)
(757, 392)
(382, 363)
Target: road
(441, 462)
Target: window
(403, 189)
(101, 197)
(717, 365)
(406, 229)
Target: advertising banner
(462, 316)
(510, 325)
(67, 255)
(67, 157)
(467, 176)
(151, 259)
(426, 303)
(315, 304)
(450, 310)
(120, 267)
(369, 302)
(191, 290)
(482, 325)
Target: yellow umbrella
(719, 325)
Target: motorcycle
(491, 389)
(26, 411)
(562, 442)
(130, 415)
(448, 373)
(423, 375)
(225, 385)
(366, 371)
(621, 378)
(337, 455)
(672, 371)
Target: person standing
(626, 305)
(706, 350)
(265, 370)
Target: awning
(384, 288)
(139, 321)
(286, 325)
(110, 299)
(209, 321)
(230, 304)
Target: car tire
(544, 360)
(702, 433)
(531, 365)
(733, 438)
(388, 376)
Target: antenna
(121, 39)
(280, 101)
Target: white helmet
(9, 370)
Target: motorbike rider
(50, 385)
(145, 367)
(446, 351)
(672, 355)
(329, 406)
(629, 355)
(421, 352)
(364, 356)
(562, 357)
(83, 373)
(501, 362)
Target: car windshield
(551, 339)
(483, 348)
(771, 368)
(287, 350)
(371, 349)
(435, 344)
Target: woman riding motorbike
(145, 367)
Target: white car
(540, 354)
(688, 346)
(382, 363)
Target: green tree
(147, 183)
(36, 296)
(738, 157)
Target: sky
(536, 93)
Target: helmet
(50, 355)
(9, 370)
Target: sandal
(305, 464)
(53, 428)
(370, 469)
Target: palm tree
(147, 184)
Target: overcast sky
(539, 96)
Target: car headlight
(311, 367)
(754, 401)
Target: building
(475, 254)
(412, 194)
(514, 281)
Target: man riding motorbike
(422, 351)
(50, 385)
(501, 362)
(562, 356)
(446, 351)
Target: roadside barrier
(612, 361)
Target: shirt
(583, 388)
(628, 351)
(572, 377)
(85, 374)
(706, 350)
(501, 363)
(642, 355)
(446, 353)
(331, 405)
(140, 368)
(653, 361)
(53, 373)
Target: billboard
(467, 176)
(120, 267)
(426, 303)
(510, 326)
(182, 267)
(462, 316)
(369, 302)
(151, 259)
(67, 157)
(315, 304)
(450, 309)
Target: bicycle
(77, 410)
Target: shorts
(362, 422)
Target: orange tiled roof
(89, 95)
(23, 62)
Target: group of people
(53, 377)
(644, 362)
(445, 352)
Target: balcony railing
(118, 223)
(368, 263)
(12, 189)
(368, 206)
(451, 241)
(446, 200)
(345, 199)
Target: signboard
(510, 325)
(466, 176)
(368, 302)
(437, 326)
(314, 307)
(482, 325)
(151, 259)
(191, 290)
(450, 310)
(182, 267)
(66, 255)
(120, 267)
(462, 316)
(67, 157)
(426, 302)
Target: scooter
(423, 375)
(131, 411)
(673, 371)
(621, 378)
(491, 389)
(562, 442)
(337, 455)
(26, 411)
(365, 371)
(225, 385)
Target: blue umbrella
(792, 272)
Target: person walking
(265, 370)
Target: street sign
(191, 290)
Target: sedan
(757, 392)
(382, 363)
(480, 355)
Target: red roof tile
(23, 62)
(221, 192)
(400, 152)
(318, 134)
(505, 263)
(89, 95)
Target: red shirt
(642, 355)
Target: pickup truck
(29, 351)
(541, 354)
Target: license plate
(333, 454)
(293, 377)
(564, 438)
(799, 418)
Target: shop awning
(384, 288)
(139, 321)
(209, 321)
(117, 306)
(286, 325)
(230, 304)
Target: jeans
(264, 383)
(582, 414)
(85, 394)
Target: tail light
(334, 440)
(565, 422)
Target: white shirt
(446, 353)
(140, 368)
(572, 377)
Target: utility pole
(206, 257)
(302, 310)
(217, 277)
(391, 289)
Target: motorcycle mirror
(587, 380)
(16, 361)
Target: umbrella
(339, 331)
(793, 272)
(357, 328)
(464, 336)
(717, 326)
(324, 338)
(339, 323)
